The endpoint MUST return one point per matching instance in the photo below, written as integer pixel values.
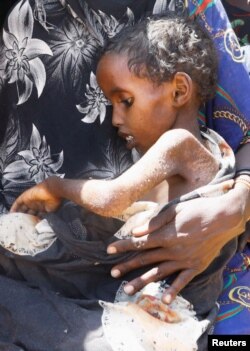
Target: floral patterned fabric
(54, 108)
(239, 16)
(229, 112)
(56, 121)
(234, 315)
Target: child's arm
(176, 152)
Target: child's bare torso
(177, 185)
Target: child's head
(152, 70)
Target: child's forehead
(114, 68)
(114, 57)
(112, 64)
(115, 77)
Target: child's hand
(37, 200)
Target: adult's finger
(182, 279)
(157, 273)
(143, 259)
(132, 244)
(164, 236)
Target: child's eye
(128, 102)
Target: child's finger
(19, 206)
(155, 223)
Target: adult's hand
(184, 239)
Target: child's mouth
(130, 142)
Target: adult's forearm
(243, 157)
(243, 163)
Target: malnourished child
(156, 74)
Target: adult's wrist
(242, 186)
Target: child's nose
(117, 118)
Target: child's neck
(187, 119)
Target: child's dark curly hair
(159, 46)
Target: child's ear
(182, 89)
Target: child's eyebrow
(116, 90)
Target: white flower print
(161, 6)
(1, 84)
(75, 45)
(76, 41)
(36, 163)
(21, 62)
(110, 24)
(72, 45)
(96, 102)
